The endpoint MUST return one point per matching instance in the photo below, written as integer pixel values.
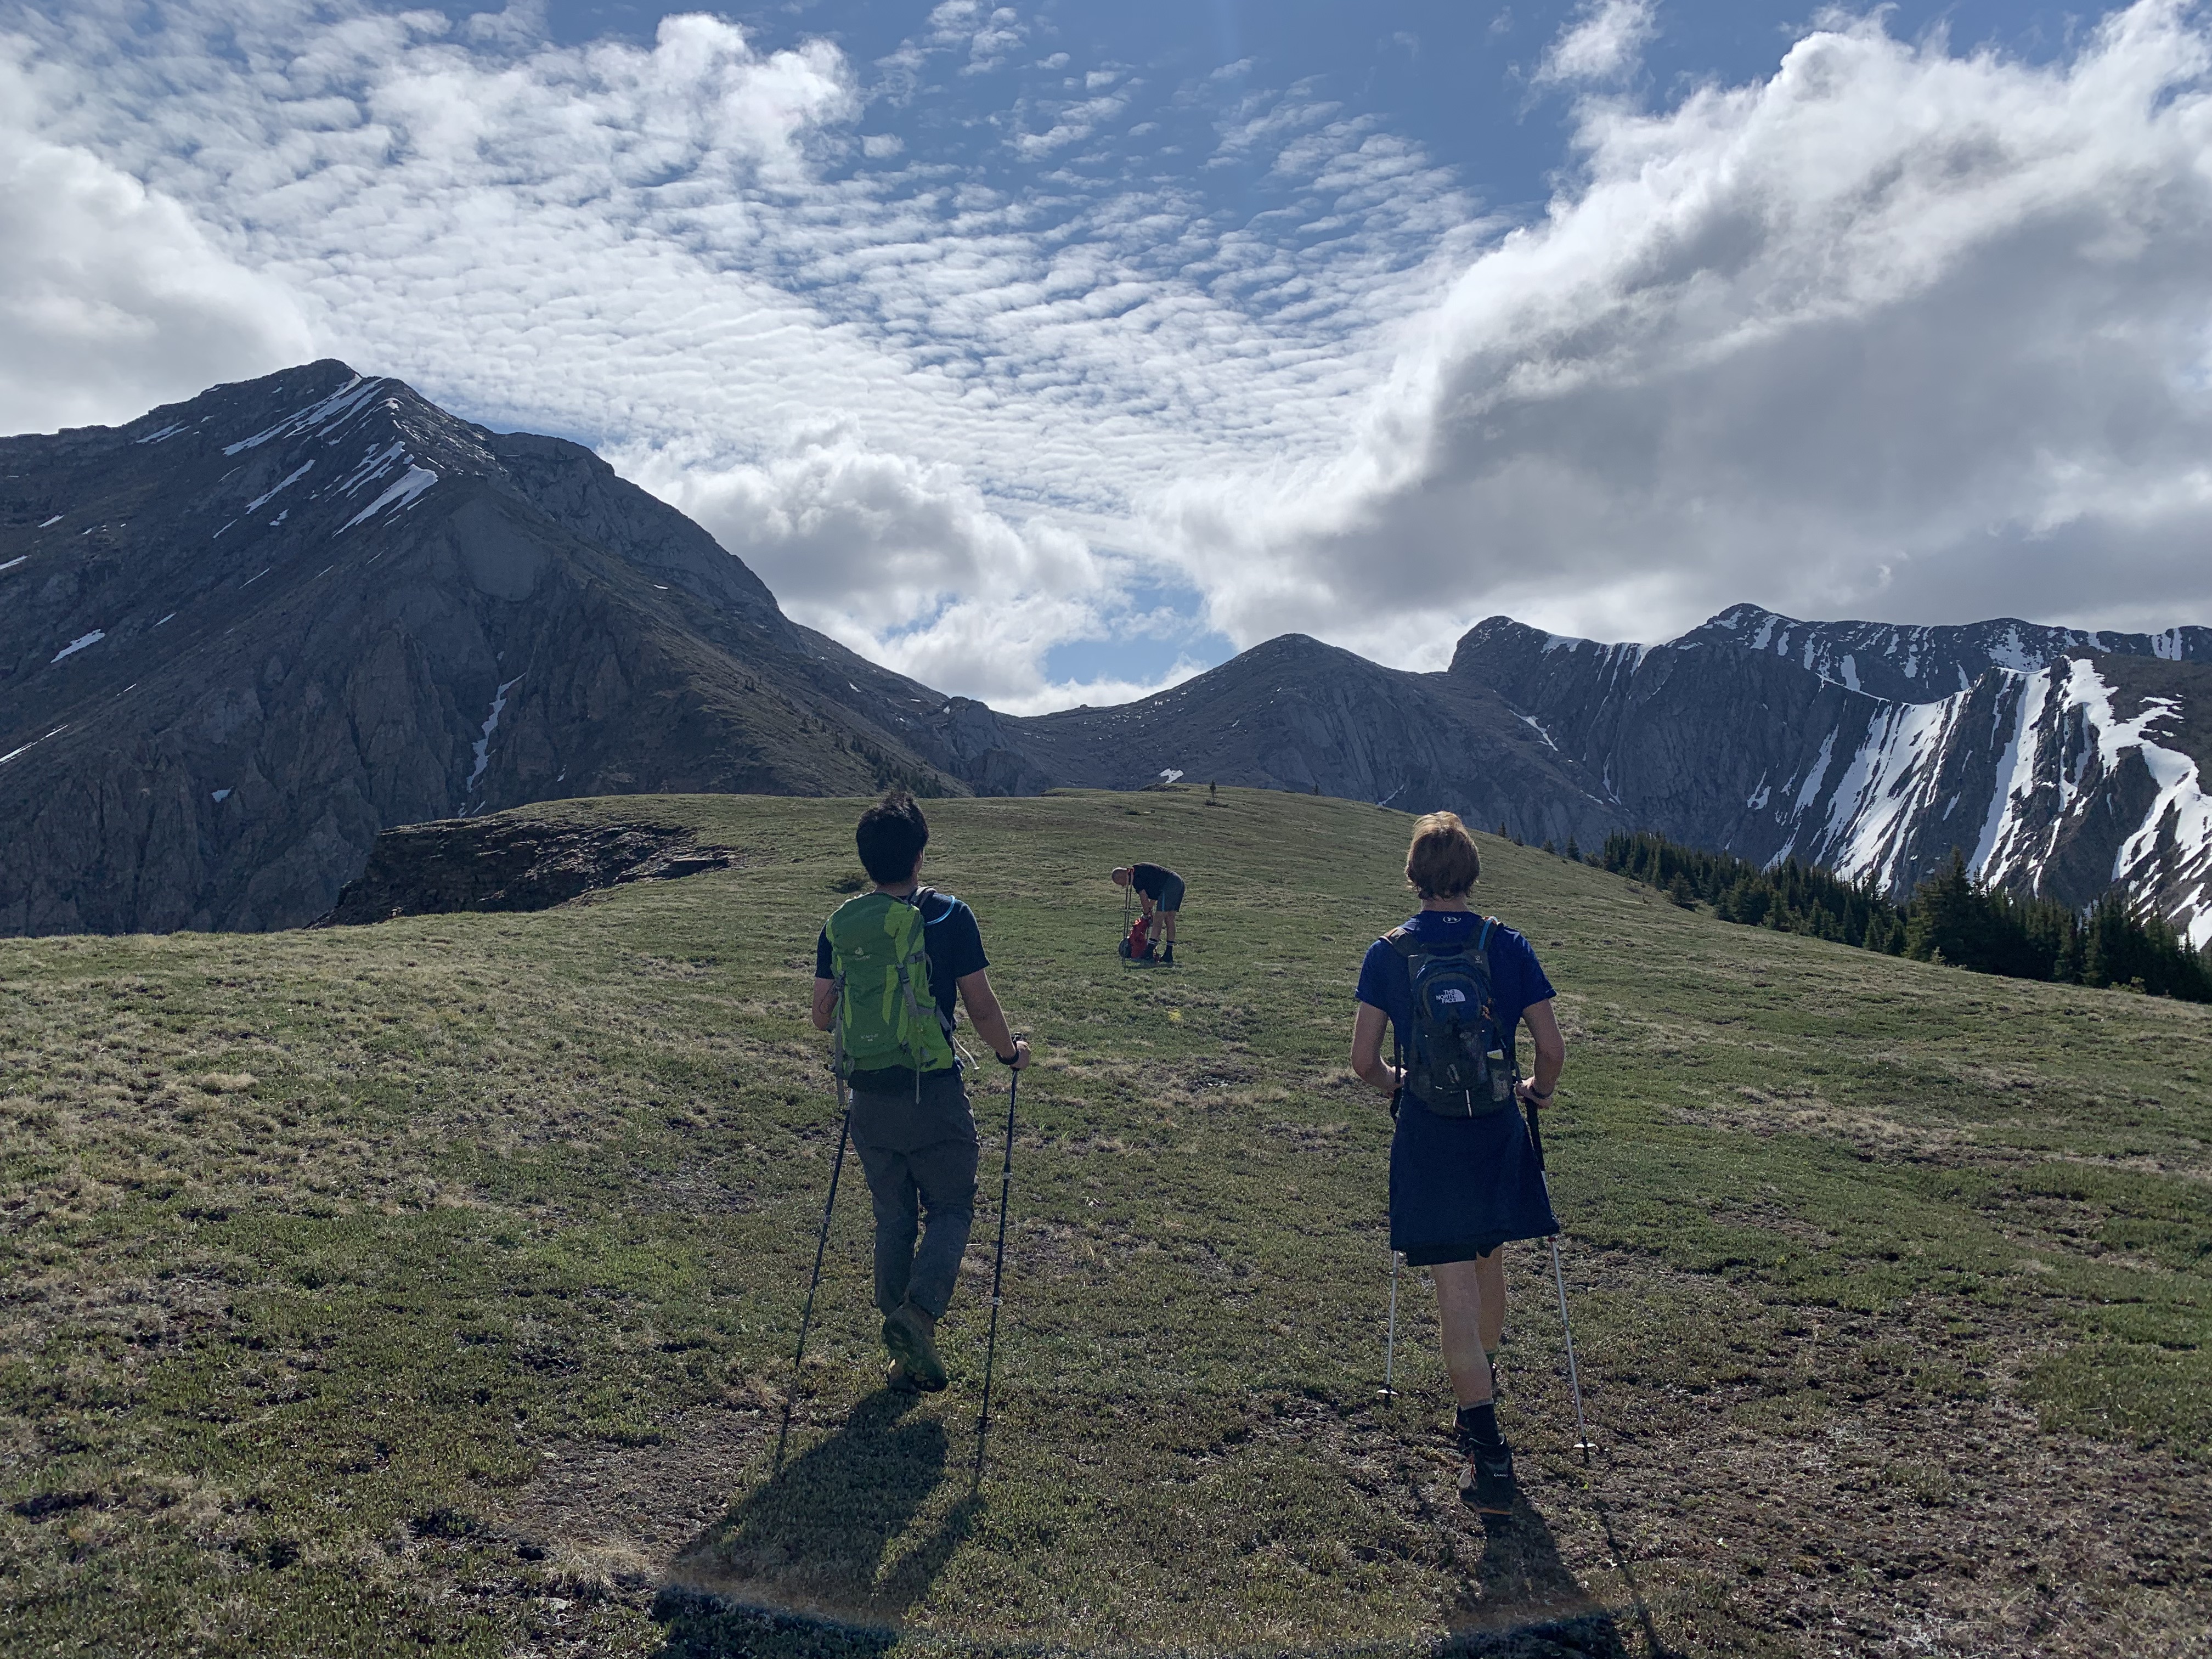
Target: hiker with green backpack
(889, 968)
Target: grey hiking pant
(920, 1158)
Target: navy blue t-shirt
(1516, 978)
(949, 934)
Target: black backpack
(1460, 1066)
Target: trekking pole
(1128, 898)
(820, 1244)
(1390, 1342)
(1560, 1280)
(998, 1271)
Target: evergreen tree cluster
(1950, 918)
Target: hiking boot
(911, 1335)
(1486, 1485)
(1167, 957)
(900, 1380)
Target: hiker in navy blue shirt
(1464, 1179)
(912, 1127)
(1159, 888)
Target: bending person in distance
(1157, 888)
(887, 967)
(1453, 986)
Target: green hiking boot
(911, 1336)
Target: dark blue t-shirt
(1516, 978)
(949, 934)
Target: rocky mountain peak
(241, 635)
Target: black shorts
(1171, 894)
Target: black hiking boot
(1487, 1484)
(1167, 956)
(911, 1336)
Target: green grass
(434, 1284)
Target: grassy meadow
(431, 1286)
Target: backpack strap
(917, 899)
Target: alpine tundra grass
(434, 1284)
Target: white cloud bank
(1892, 332)
(1895, 333)
(111, 300)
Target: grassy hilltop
(434, 1284)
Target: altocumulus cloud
(1893, 331)
(850, 359)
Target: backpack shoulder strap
(1482, 939)
(1401, 940)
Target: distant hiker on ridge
(1464, 1179)
(887, 968)
(1158, 887)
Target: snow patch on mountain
(79, 644)
(347, 400)
(1889, 785)
(402, 492)
(279, 489)
(482, 746)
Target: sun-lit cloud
(112, 298)
(1894, 332)
(1602, 43)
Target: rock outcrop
(513, 862)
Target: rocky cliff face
(1920, 664)
(2062, 763)
(241, 635)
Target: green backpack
(886, 1014)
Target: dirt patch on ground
(1755, 1111)
(1871, 1486)
(1880, 1492)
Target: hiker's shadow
(816, 1538)
(1521, 1593)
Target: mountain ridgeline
(242, 636)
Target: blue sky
(1048, 352)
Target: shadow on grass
(818, 1560)
(1524, 1603)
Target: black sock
(1479, 1423)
